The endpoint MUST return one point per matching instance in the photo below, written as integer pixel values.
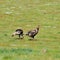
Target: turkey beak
(13, 34)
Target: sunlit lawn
(27, 14)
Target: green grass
(27, 14)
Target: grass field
(27, 14)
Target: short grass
(27, 14)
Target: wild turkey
(33, 33)
(18, 32)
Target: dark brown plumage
(18, 32)
(33, 33)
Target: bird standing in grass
(18, 32)
(33, 33)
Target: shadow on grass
(15, 51)
(32, 39)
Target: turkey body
(18, 32)
(33, 33)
